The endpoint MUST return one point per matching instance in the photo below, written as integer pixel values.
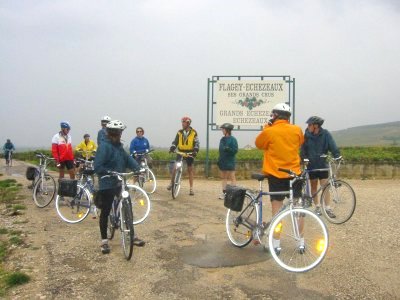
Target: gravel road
(65, 262)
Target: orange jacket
(281, 143)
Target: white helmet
(106, 119)
(115, 124)
(282, 108)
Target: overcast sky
(147, 62)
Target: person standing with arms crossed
(186, 140)
(318, 141)
(62, 151)
(228, 147)
(281, 142)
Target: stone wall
(245, 168)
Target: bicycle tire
(44, 191)
(149, 183)
(127, 229)
(292, 256)
(111, 225)
(74, 209)
(240, 225)
(342, 201)
(140, 203)
(176, 186)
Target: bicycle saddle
(258, 176)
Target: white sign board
(247, 102)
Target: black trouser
(107, 198)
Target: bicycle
(121, 215)
(74, 207)
(178, 167)
(147, 180)
(8, 156)
(303, 235)
(43, 184)
(338, 199)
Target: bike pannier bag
(30, 173)
(234, 197)
(67, 187)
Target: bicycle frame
(43, 164)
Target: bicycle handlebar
(184, 154)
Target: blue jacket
(316, 145)
(101, 136)
(228, 147)
(8, 147)
(139, 144)
(112, 157)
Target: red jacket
(62, 147)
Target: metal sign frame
(211, 102)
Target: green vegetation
(10, 237)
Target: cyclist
(111, 156)
(62, 150)
(281, 142)
(228, 147)
(101, 135)
(140, 145)
(186, 140)
(8, 148)
(318, 141)
(87, 146)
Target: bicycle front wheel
(240, 224)
(338, 202)
(298, 240)
(74, 209)
(140, 203)
(127, 230)
(149, 182)
(176, 187)
(44, 191)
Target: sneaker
(169, 187)
(105, 249)
(318, 210)
(138, 242)
(330, 213)
(191, 192)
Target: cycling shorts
(318, 175)
(281, 185)
(68, 163)
(189, 160)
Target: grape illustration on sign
(250, 103)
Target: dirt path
(65, 261)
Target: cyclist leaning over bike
(318, 141)
(140, 145)
(111, 156)
(186, 140)
(61, 149)
(281, 142)
(7, 149)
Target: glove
(172, 149)
(147, 150)
(195, 151)
(194, 154)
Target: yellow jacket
(87, 150)
(281, 143)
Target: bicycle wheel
(176, 187)
(44, 191)
(303, 240)
(140, 203)
(111, 225)
(74, 209)
(149, 183)
(341, 199)
(240, 224)
(127, 231)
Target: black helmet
(315, 120)
(227, 126)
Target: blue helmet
(65, 124)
